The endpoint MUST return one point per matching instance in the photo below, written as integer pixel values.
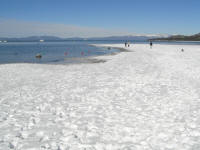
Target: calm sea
(58, 52)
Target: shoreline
(137, 96)
(80, 60)
(111, 46)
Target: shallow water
(51, 52)
(62, 52)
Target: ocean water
(51, 52)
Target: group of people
(127, 44)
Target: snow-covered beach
(145, 99)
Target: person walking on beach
(151, 44)
(125, 44)
(128, 44)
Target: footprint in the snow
(33, 121)
(36, 120)
(44, 138)
(22, 135)
(13, 144)
(46, 146)
(72, 138)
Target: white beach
(145, 99)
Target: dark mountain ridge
(195, 37)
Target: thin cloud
(16, 28)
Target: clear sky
(96, 17)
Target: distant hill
(54, 38)
(31, 39)
(125, 38)
(195, 37)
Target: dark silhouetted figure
(151, 44)
(39, 56)
(125, 44)
(182, 50)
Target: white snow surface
(145, 99)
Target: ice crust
(145, 99)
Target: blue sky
(107, 16)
